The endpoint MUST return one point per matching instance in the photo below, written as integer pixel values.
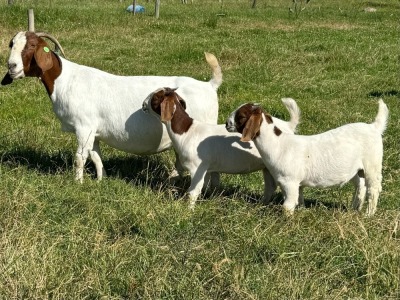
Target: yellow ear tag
(47, 50)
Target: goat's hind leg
(374, 188)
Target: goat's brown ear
(252, 128)
(182, 102)
(43, 57)
(7, 79)
(167, 110)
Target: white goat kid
(96, 105)
(203, 148)
(351, 152)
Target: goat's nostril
(11, 65)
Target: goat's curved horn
(53, 39)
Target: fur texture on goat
(96, 105)
(203, 148)
(350, 152)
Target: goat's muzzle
(230, 126)
(145, 107)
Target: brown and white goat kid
(98, 106)
(350, 152)
(203, 148)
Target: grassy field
(129, 237)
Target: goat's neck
(48, 77)
(180, 122)
(269, 142)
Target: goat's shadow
(133, 169)
(140, 171)
(43, 162)
(388, 93)
(238, 192)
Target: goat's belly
(238, 167)
(140, 145)
(326, 181)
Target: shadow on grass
(46, 163)
(252, 197)
(384, 93)
(139, 171)
(134, 169)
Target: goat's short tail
(216, 80)
(294, 112)
(382, 116)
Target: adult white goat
(96, 105)
(203, 148)
(350, 152)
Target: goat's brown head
(165, 103)
(30, 56)
(247, 120)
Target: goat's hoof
(288, 212)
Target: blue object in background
(138, 8)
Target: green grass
(129, 236)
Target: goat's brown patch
(251, 127)
(168, 108)
(243, 114)
(40, 63)
(268, 117)
(171, 107)
(277, 131)
(361, 173)
(156, 100)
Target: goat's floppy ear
(182, 102)
(7, 79)
(252, 128)
(167, 110)
(43, 57)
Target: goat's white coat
(207, 148)
(330, 158)
(96, 105)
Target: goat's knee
(291, 194)
(80, 160)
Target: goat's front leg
(85, 145)
(95, 155)
(291, 194)
(176, 173)
(197, 181)
(269, 186)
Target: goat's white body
(206, 148)
(107, 106)
(96, 105)
(209, 148)
(331, 158)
